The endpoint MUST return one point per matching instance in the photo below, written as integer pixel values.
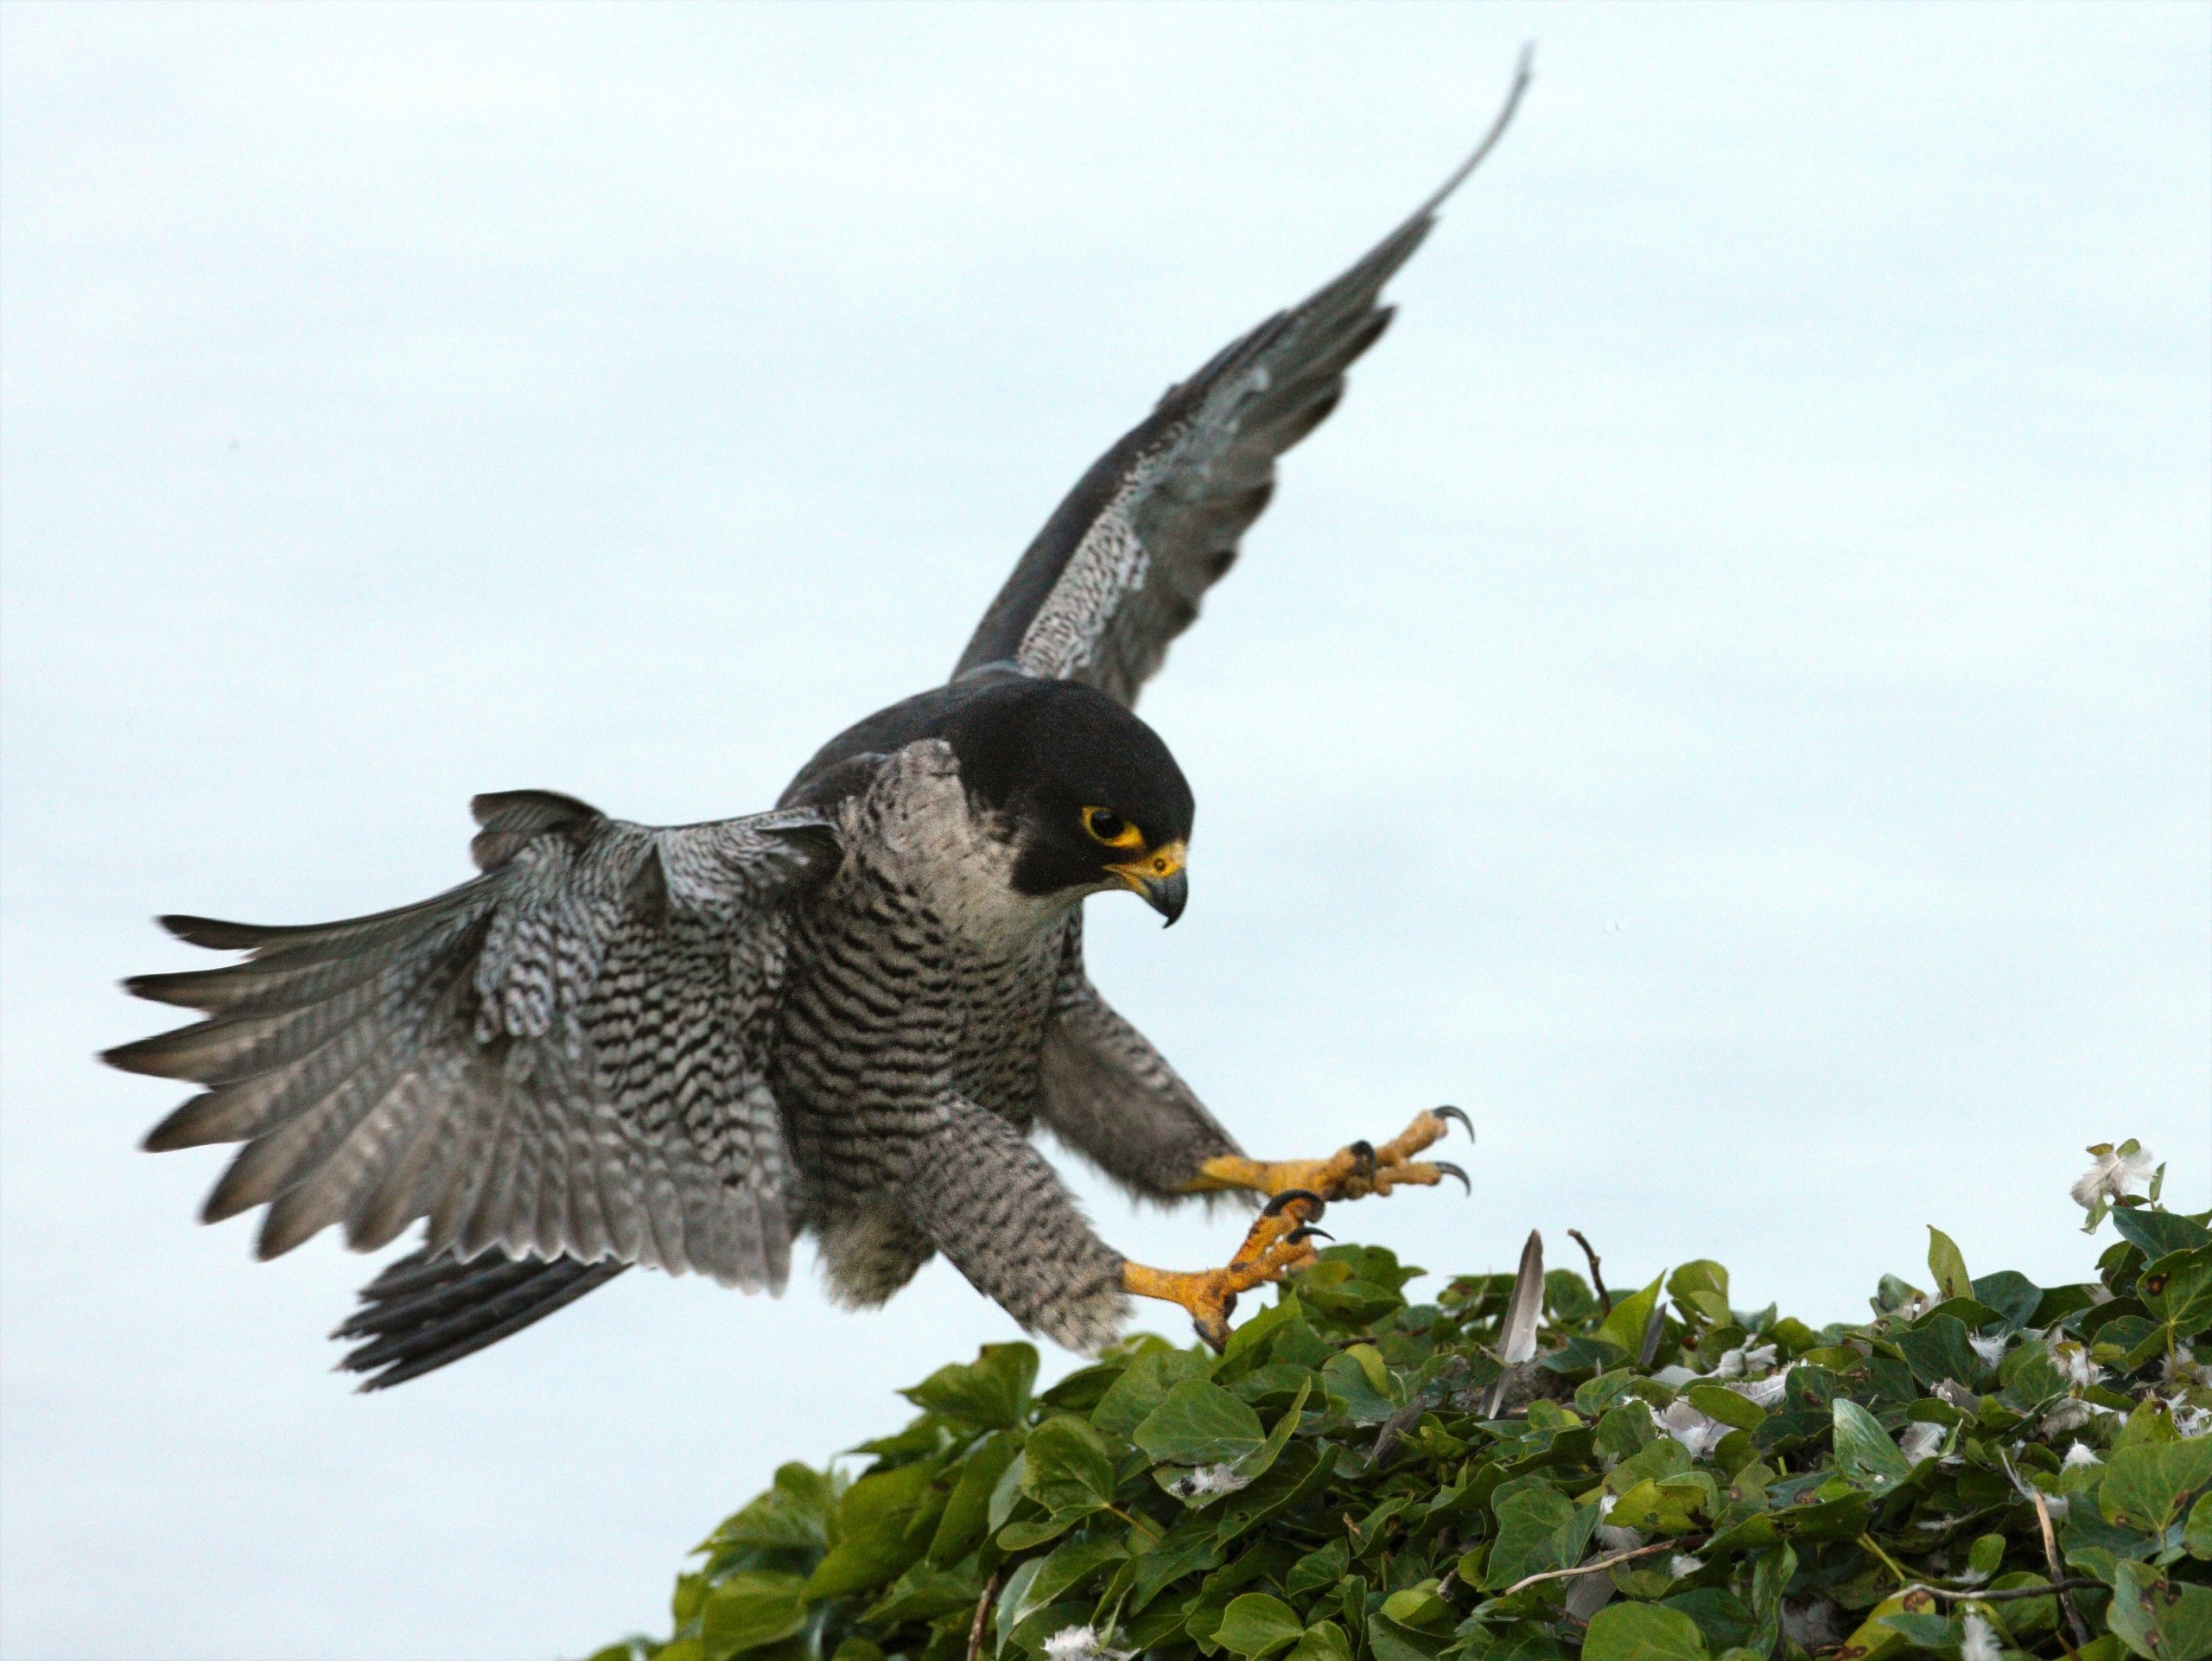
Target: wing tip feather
(213, 932)
(155, 1057)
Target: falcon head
(1091, 796)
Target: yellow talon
(1281, 1239)
(1349, 1174)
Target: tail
(425, 1311)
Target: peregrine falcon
(684, 1047)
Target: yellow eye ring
(1106, 827)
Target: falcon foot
(1279, 1242)
(1350, 1172)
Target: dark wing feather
(1119, 569)
(429, 1309)
(563, 1057)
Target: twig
(983, 1613)
(1592, 1567)
(2008, 1593)
(2050, 1556)
(1604, 1298)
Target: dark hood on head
(1021, 743)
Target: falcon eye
(1111, 829)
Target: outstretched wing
(1119, 569)
(565, 1056)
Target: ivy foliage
(1988, 1468)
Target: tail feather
(428, 1309)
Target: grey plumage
(681, 1048)
(1119, 567)
(564, 1056)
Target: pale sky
(1745, 645)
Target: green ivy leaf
(1349, 1380)
(2160, 1619)
(1006, 1493)
(1015, 1604)
(1663, 1456)
(2145, 1485)
(883, 1496)
(1142, 1387)
(1728, 1406)
(1925, 1632)
(1257, 1625)
(1668, 1507)
(968, 1511)
(1624, 1326)
(1199, 1424)
(1257, 1463)
(1071, 1563)
(1067, 1468)
(1938, 1349)
(2012, 1294)
(922, 1594)
(1948, 1265)
(1864, 1449)
(1417, 1607)
(2158, 1233)
(1530, 1513)
(748, 1611)
(1641, 1631)
(1700, 1288)
(1323, 1641)
(793, 1515)
(870, 1557)
(993, 1392)
(2177, 1289)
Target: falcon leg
(1280, 1241)
(1350, 1172)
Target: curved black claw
(1364, 1152)
(1273, 1208)
(1455, 1113)
(1309, 1232)
(1450, 1169)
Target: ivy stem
(1866, 1542)
(983, 1613)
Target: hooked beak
(1159, 877)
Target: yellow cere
(1161, 862)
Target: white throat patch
(918, 829)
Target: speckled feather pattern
(908, 1056)
(1110, 564)
(565, 1057)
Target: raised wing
(1119, 569)
(565, 1056)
